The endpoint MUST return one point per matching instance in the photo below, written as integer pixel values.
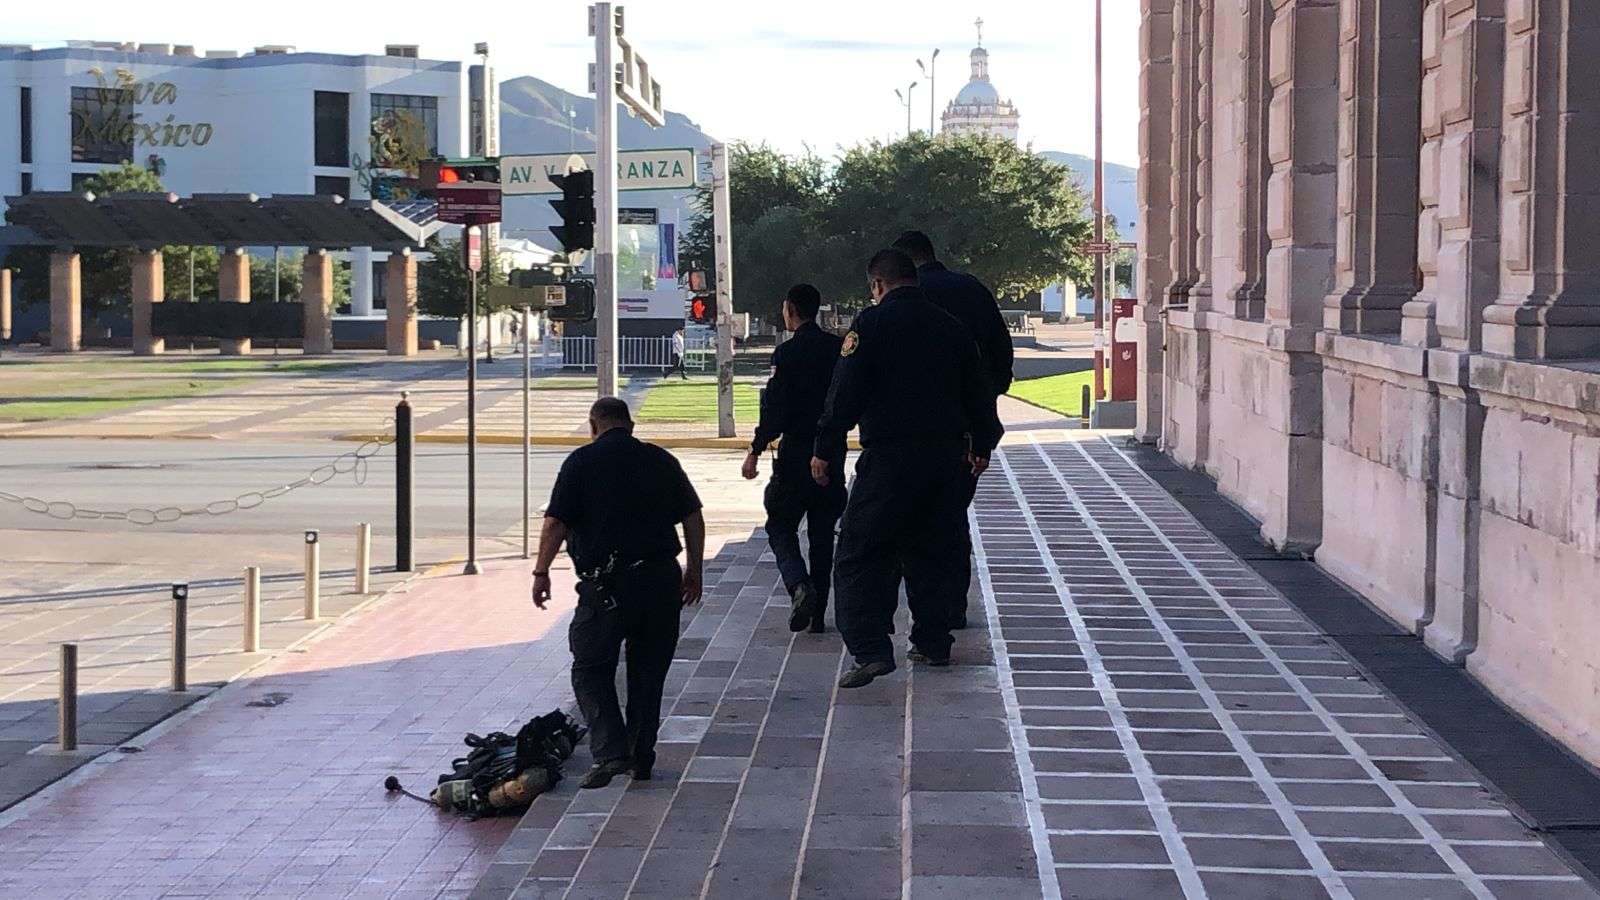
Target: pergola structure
(144, 222)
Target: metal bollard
(68, 708)
(180, 637)
(1085, 401)
(363, 558)
(404, 455)
(252, 609)
(313, 575)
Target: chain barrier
(353, 463)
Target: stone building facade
(1370, 282)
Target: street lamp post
(928, 72)
(905, 100)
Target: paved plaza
(1135, 712)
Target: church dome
(978, 93)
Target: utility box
(1124, 350)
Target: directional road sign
(637, 170)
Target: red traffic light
(448, 175)
(698, 309)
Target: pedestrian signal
(702, 311)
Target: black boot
(801, 606)
(602, 773)
(862, 674)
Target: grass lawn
(1058, 393)
(77, 397)
(696, 402)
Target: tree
(767, 191)
(442, 280)
(1010, 217)
(107, 276)
(289, 270)
(1014, 219)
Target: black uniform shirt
(620, 494)
(966, 298)
(907, 371)
(802, 367)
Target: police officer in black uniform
(617, 503)
(801, 370)
(965, 297)
(910, 376)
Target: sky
(819, 73)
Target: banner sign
(667, 262)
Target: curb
(98, 436)
(577, 440)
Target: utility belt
(598, 585)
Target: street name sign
(637, 170)
(539, 296)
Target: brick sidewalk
(1158, 723)
(273, 786)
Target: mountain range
(538, 117)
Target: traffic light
(576, 208)
(578, 305)
(433, 172)
(703, 311)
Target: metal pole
(527, 426)
(1099, 224)
(933, 64)
(605, 200)
(252, 609)
(471, 567)
(191, 274)
(404, 454)
(67, 709)
(313, 575)
(910, 92)
(180, 637)
(1084, 403)
(722, 221)
(363, 558)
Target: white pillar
(605, 201)
(361, 281)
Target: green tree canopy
(442, 280)
(1011, 217)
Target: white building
(271, 121)
(977, 106)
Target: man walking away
(801, 370)
(909, 374)
(617, 503)
(965, 297)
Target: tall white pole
(721, 223)
(527, 425)
(605, 199)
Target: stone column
(1302, 54)
(1458, 240)
(1186, 368)
(1380, 89)
(1245, 298)
(5, 304)
(1155, 209)
(401, 272)
(316, 301)
(66, 302)
(233, 286)
(149, 288)
(1549, 302)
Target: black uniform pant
(969, 483)
(791, 496)
(645, 621)
(906, 516)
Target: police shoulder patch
(849, 346)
